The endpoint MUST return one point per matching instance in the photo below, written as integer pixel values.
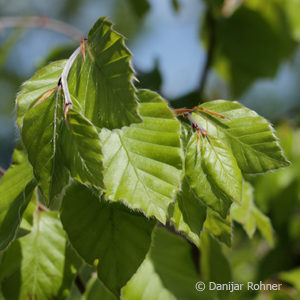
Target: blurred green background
(190, 51)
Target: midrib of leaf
(223, 166)
(249, 146)
(134, 168)
(114, 91)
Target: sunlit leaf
(34, 88)
(82, 149)
(213, 173)
(36, 265)
(218, 227)
(250, 137)
(101, 85)
(16, 188)
(41, 134)
(142, 163)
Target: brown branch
(42, 22)
(41, 207)
(80, 284)
(211, 27)
(2, 171)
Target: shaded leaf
(188, 214)
(40, 134)
(34, 88)
(35, 265)
(243, 214)
(16, 188)
(218, 227)
(97, 290)
(214, 264)
(101, 85)
(167, 273)
(176, 268)
(250, 137)
(213, 173)
(142, 163)
(292, 277)
(252, 43)
(140, 7)
(106, 232)
(82, 149)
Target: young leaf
(250, 137)
(82, 149)
(16, 188)
(36, 266)
(251, 217)
(142, 163)
(106, 232)
(101, 83)
(264, 225)
(218, 227)
(213, 173)
(34, 88)
(40, 134)
(243, 213)
(189, 213)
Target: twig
(211, 25)
(80, 284)
(63, 81)
(41, 207)
(2, 171)
(44, 22)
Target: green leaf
(264, 41)
(250, 137)
(106, 232)
(40, 134)
(140, 7)
(218, 227)
(264, 225)
(82, 149)
(214, 264)
(243, 213)
(169, 272)
(16, 188)
(101, 85)
(213, 173)
(34, 88)
(97, 290)
(292, 8)
(292, 277)
(142, 163)
(146, 284)
(36, 265)
(176, 268)
(189, 213)
(250, 216)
